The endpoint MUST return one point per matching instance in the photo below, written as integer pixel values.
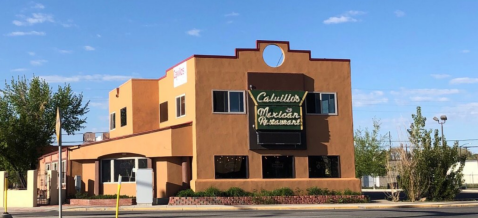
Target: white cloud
(440, 76)
(64, 51)
(360, 99)
(464, 80)
(31, 53)
(101, 105)
(465, 51)
(38, 6)
(89, 48)
(232, 14)
(38, 62)
(467, 111)
(344, 18)
(36, 18)
(19, 70)
(194, 32)
(31, 33)
(399, 13)
(428, 98)
(431, 92)
(98, 35)
(82, 78)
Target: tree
(28, 117)
(370, 157)
(430, 169)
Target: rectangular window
(324, 167)
(163, 112)
(47, 166)
(112, 121)
(230, 167)
(321, 103)
(180, 106)
(55, 166)
(106, 171)
(123, 117)
(112, 168)
(63, 171)
(277, 167)
(228, 101)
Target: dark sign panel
(278, 110)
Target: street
(402, 212)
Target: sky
(403, 54)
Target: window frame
(167, 111)
(339, 166)
(47, 166)
(63, 169)
(234, 155)
(176, 103)
(54, 166)
(229, 101)
(293, 166)
(323, 114)
(111, 129)
(126, 117)
(112, 171)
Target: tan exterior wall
(168, 176)
(126, 188)
(88, 177)
(145, 105)
(21, 198)
(124, 99)
(227, 134)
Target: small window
(55, 166)
(163, 112)
(228, 101)
(112, 168)
(123, 117)
(180, 106)
(277, 167)
(321, 103)
(230, 167)
(106, 170)
(112, 121)
(63, 172)
(324, 167)
(47, 166)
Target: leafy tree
(28, 117)
(370, 157)
(430, 170)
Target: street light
(443, 118)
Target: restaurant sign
(278, 110)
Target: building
(228, 121)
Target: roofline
(138, 134)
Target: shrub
(236, 192)
(186, 193)
(200, 194)
(83, 195)
(283, 192)
(334, 192)
(263, 200)
(350, 192)
(213, 192)
(315, 191)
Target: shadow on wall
(91, 187)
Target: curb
(239, 208)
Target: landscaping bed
(236, 196)
(82, 199)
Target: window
(180, 106)
(63, 172)
(228, 101)
(277, 167)
(123, 117)
(112, 168)
(163, 112)
(321, 103)
(55, 166)
(47, 166)
(230, 167)
(112, 121)
(324, 167)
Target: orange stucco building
(227, 121)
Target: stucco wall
(124, 99)
(227, 134)
(21, 198)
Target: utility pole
(58, 138)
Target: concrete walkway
(374, 205)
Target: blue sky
(403, 53)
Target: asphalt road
(401, 212)
(380, 195)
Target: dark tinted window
(106, 171)
(180, 106)
(123, 117)
(313, 103)
(230, 167)
(328, 103)
(113, 121)
(220, 101)
(237, 101)
(324, 167)
(277, 167)
(163, 112)
(124, 167)
(142, 163)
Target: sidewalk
(374, 205)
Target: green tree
(28, 117)
(435, 172)
(370, 157)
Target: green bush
(186, 193)
(334, 192)
(236, 192)
(350, 192)
(317, 191)
(283, 192)
(83, 195)
(213, 192)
